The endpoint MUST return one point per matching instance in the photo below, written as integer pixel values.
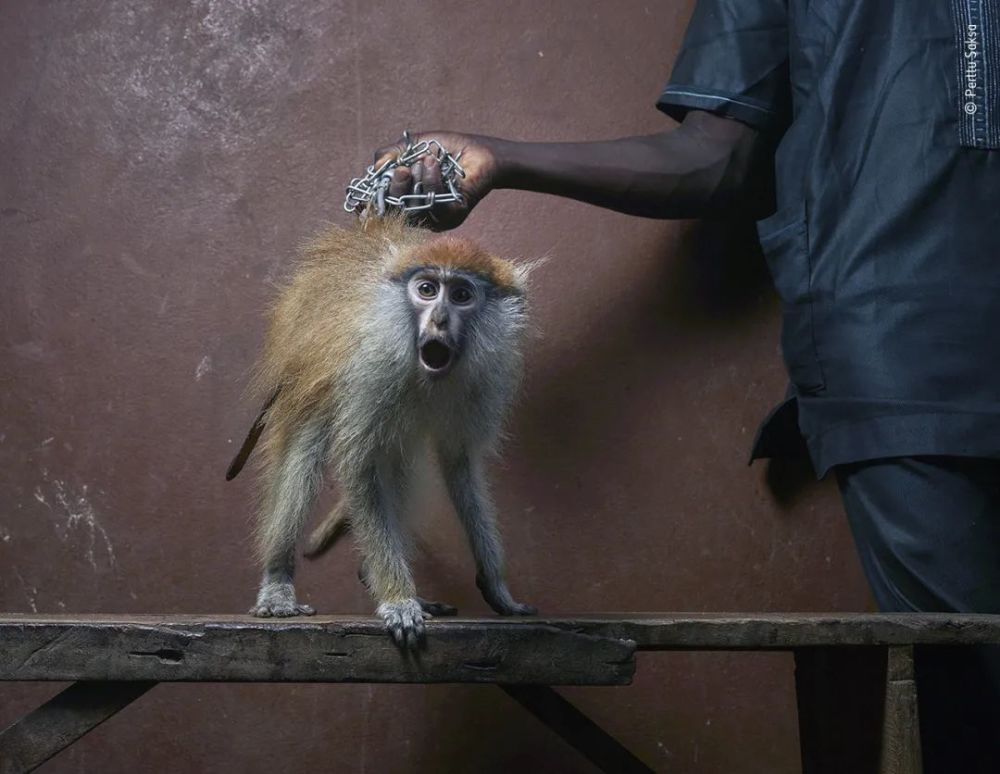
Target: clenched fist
(479, 160)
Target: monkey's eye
(461, 295)
(427, 289)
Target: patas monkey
(388, 341)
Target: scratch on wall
(78, 519)
(203, 368)
(193, 80)
(30, 592)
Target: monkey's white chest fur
(386, 407)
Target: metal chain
(374, 186)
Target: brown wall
(158, 164)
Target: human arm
(707, 165)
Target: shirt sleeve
(734, 63)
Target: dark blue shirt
(884, 247)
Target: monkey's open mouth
(435, 355)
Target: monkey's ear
(251, 440)
(523, 270)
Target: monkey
(387, 343)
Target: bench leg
(901, 723)
(575, 728)
(858, 710)
(32, 740)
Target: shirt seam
(686, 91)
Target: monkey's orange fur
(457, 253)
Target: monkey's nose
(438, 329)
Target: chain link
(374, 186)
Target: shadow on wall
(719, 283)
(724, 281)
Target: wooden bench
(842, 663)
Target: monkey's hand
(498, 597)
(479, 160)
(404, 620)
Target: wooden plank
(305, 650)
(901, 724)
(578, 730)
(650, 631)
(786, 631)
(62, 720)
(839, 692)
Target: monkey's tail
(329, 532)
(251, 440)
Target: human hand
(479, 160)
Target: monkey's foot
(429, 607)
(281, 611)
(498, 597)
(436, 608)
(515, 608)
(404, 620)
(277, 600)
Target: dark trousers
(928, 534)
